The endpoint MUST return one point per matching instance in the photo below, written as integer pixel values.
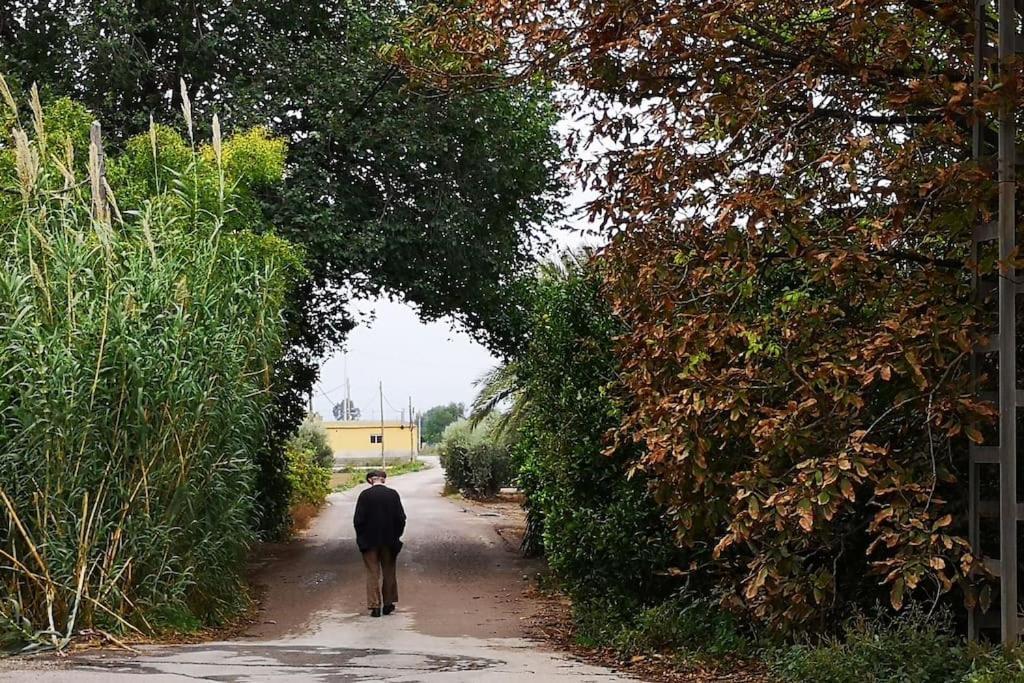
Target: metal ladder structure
(996, 62)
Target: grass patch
(912, 647)
(350, 477)
(345, 479)
(685, 628)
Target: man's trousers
(380, 576)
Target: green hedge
(600, 529)
(473, 463)
(911, 647)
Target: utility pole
(383, 460)
(348, 392)
(347, 413)
(412, 440)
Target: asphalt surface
(461, 613)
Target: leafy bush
(907, 648)
(472, 463)
(310, 480)
(682, 625)
(136, 347)
(462, 433)
(996, 666)
(910, 647)
(489, 467)
(312, 436)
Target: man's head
(376, 477)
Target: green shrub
(683, 626)
(461, 432)
(907, 648)
(455, 463)
(311, 481)
(602, 531)
(490, 469)
(472, 463)
(312, 436)
(136, 348)
(992, 665)
(911, 647)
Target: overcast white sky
(432, 363)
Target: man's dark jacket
(379, 519)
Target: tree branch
(361, 109)
(874, 119)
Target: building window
(376, 438)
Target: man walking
(379, 522)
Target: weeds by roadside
(911, 647)
(689, 638)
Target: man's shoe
(388, 609)
(375, 612)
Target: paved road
(460, 615)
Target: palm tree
(503, 383)
(497, 386)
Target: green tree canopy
(435, 199)
(437, 418)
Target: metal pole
(980, 43)
(412, 430)
(383, 460)
(1007, 330)
(348, 390)
(348, 401)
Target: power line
(325, 395)
(331, 391)
(389, 403)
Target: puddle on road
(238, 663)
(319, 578)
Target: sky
(433, 363)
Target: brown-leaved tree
(789, 192)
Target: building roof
(366, 424)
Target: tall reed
(137, 336)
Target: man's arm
(399, 514)
(359, 519)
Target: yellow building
(361, 440)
